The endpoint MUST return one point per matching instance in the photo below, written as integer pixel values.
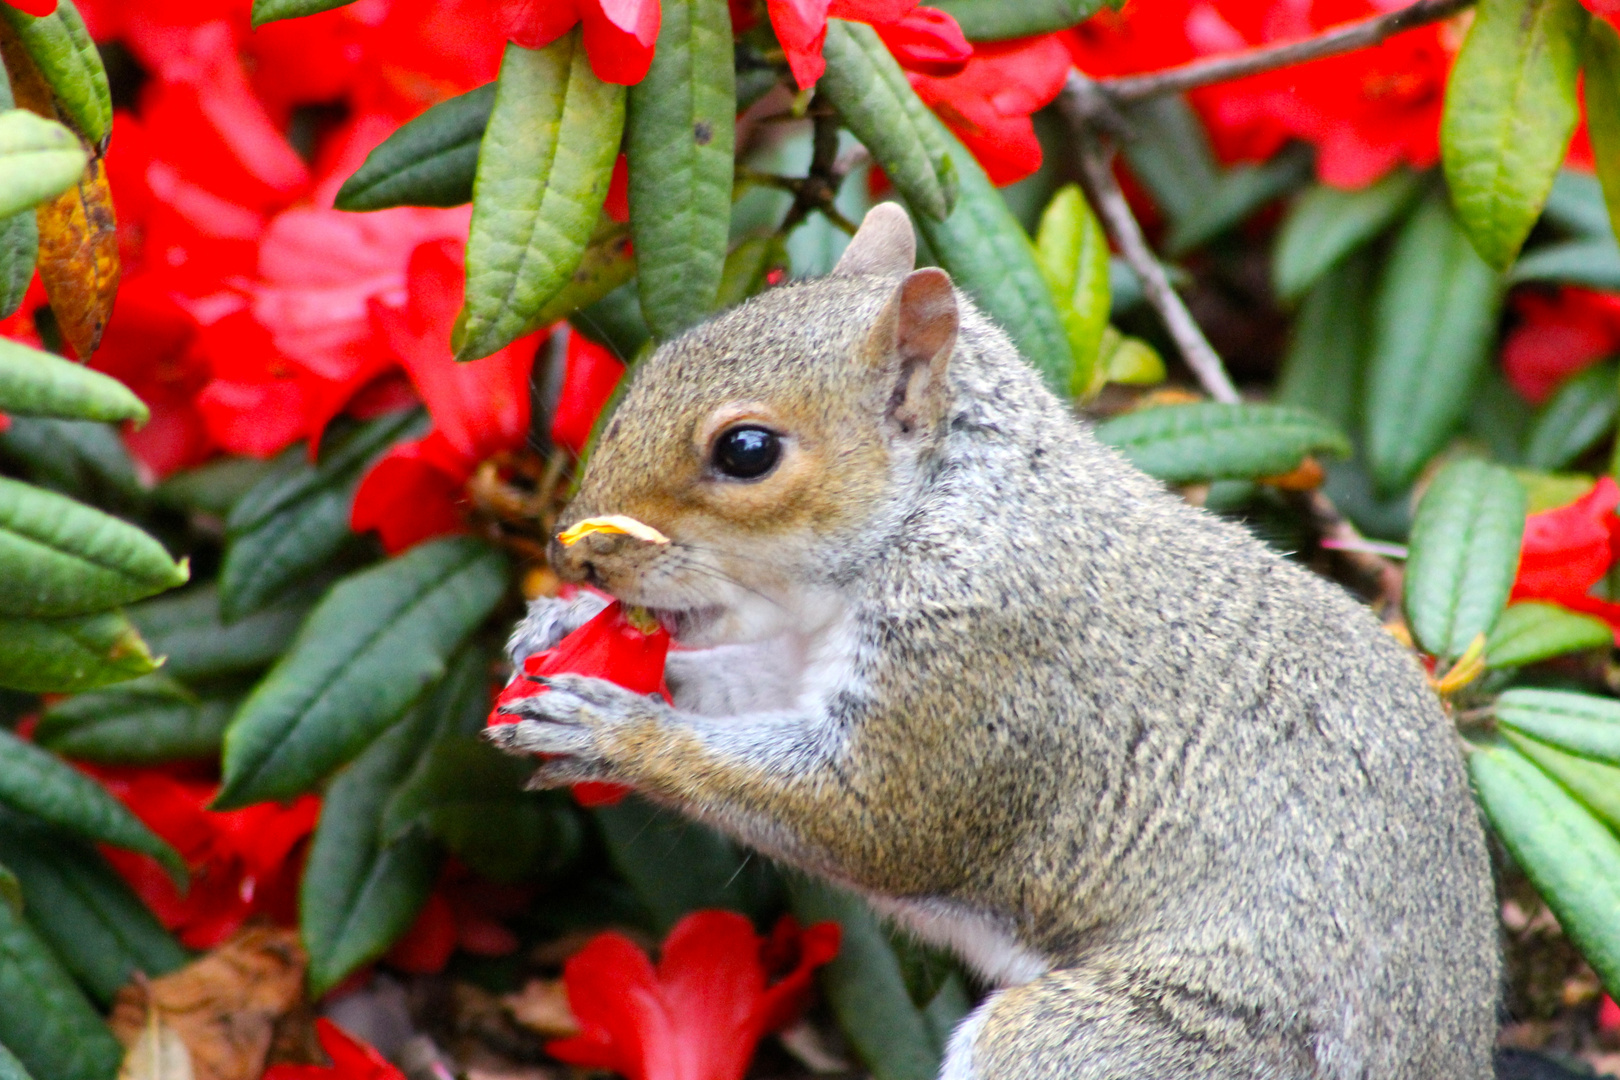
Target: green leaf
(1463, 553)
(746, 270)
(1326, 224)
(1576, 203)
(1602, 65)
(985, 250)
(59, 557)
(47, 1022)
(148, 721)
(1169, 152)
(609, 262)
(213, 488)
(430, 161)
(1184, 444)
(1576, 419)
(10, 889)
(543, 171)
(678, 866)
(61, 48)
(39, 159)
(291, 523)
(39, 783)
(1327, 344)
(96, 925)
(19, 244)
(1572, 858)
(1593, 263)
(680, 133)
(1529, 632)
(366, 652)
(10, 1067)
(1594, 783)
(265, 11)
(1237, 193)
(35, 383)
(1580, 723)
(1073, 253)
(187, 629)
(997, 20)
(68, 655)
(1433, 331)
(866, 987)
(1548, 491)
(470, 796)
(1510, 110)
(879, 107)
(361, 891)
(82, 458)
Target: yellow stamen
(613, 523)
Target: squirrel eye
(746, 451)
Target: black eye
(746, 452)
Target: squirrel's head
(769, 442)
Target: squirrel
(1183, 804)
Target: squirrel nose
(579, 561)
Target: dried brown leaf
(158, 1052)
(78, 258)
(542, 1007)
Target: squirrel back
(1184, 800)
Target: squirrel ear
(883, 245)
(918, 331)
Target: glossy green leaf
(59, 557)
(747, 269)
(296, 519)
(187, 629)
(1463, 553)
(10, 1067)
(1125, 359)
(1580, 723)
(61, 48)
(68, 655)
(361, 891)
(680, 134)
(39, 159)
(1602, 65)
(1184, 444)
(1433, 330)
(866, 987)
(1326, 224)
(1576, 418)
(984, 249)
(1548, 491)
(89, 916)
(1073, 253)
(1510, 110)
(37, 782)
(543, 171)
(1529, 632)
(1592, 263)
(213, 488)
(364, 654)
(1594, 783)
(430, 161)
(470, 796)
(1170, 153)
(880, 108)
(1326, 359)
(82, 458)
(996, 20)
(148, 721)
(1572, 858)
(609, 262)
(1237, 194)
(35, 383)
(1576, 205)
(47, 1022)
(265, 11)
(19, 245)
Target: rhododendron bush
(309, 310)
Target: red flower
(801, 27)
(37, 8)
(619, 34)
(927, 41)
(1557, 336)
(242, 861)
(352, 1059)
(1568, 550)
(611, 646)
(989, 103)
(413, 493)
(699, 1014)
(589, 379)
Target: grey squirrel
(1185, 804)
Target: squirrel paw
(572, 722)
(549, 620)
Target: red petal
(37, 8)
(619, 38)
(534, 24)
(412, 493)
(625, 1024)
(786, 999)
(589, 379)
(1568, 550)
(617, 204)
(927, 40)
(713, 984)
(801, 28)
(591, 793)
(870, 11)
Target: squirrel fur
(1185, 804)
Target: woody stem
(1125, 89)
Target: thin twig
(1097, 173)
(1125, 89)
